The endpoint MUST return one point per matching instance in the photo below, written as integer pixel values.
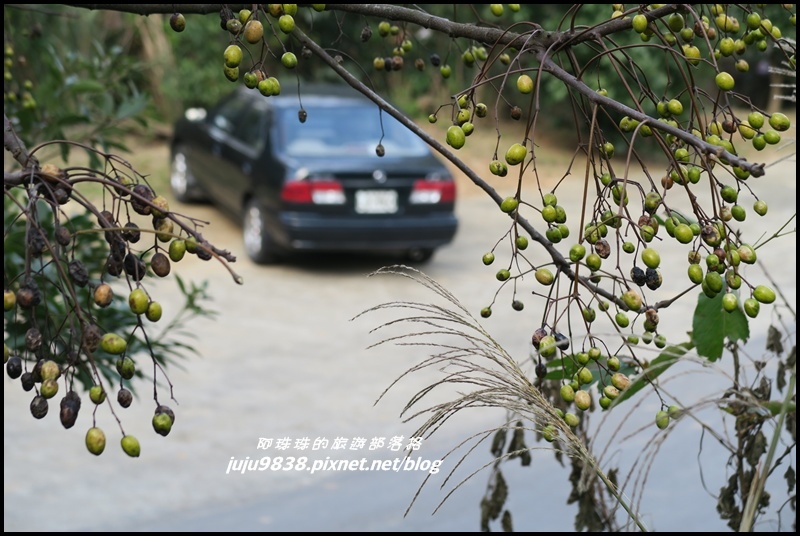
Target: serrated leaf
(668, 357)
(791, 478)
(711, 325)
(774, 343)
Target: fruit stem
(621, 500)
(753, 499)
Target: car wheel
(419, 254)
(257, 242)
(181, 180)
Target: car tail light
(318, 192)
(427, 192)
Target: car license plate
(376, 201)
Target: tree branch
(14, 145)
(165, 9)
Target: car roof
(311, 95)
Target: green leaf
(87, 86)
(668, 357)
(132, 107)
(562, 368)
(711, 325)
(71, 119)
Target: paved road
(284, 360)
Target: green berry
(730, 302)
(651, 258)
(577, 252)
(131, 446)
(662, 419)
(509, 204)
(544, 276)
(764, 294)
(751, 307)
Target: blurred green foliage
(69, 77)
(88, 69)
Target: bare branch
(14, 145)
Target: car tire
(257, 242)
(181, 180)
(419, 254)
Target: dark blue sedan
(304, 173)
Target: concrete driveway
(284, 360)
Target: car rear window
(345, 130)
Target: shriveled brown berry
(70, 406)
(68, 416)
(124, 397)
(33, 339)
(78, 273)
(134, 267)
(652, 315)
(366, 34)
(36, 243)
(61, 194)
(537, 337)
(131, 233)
(653, 279)
(141, 198)
(14, 367)
(516, 113)
(204, 251)
(29, 295)
(562, 341)
(160, 264)
(114, 266)
(39, 406)
(27, 381)
(602, 248)
(638, 276)
(106, 219)
(63, 236)
(118, 248)
(37, 371)
(90, 339)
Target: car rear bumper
(299, 231)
